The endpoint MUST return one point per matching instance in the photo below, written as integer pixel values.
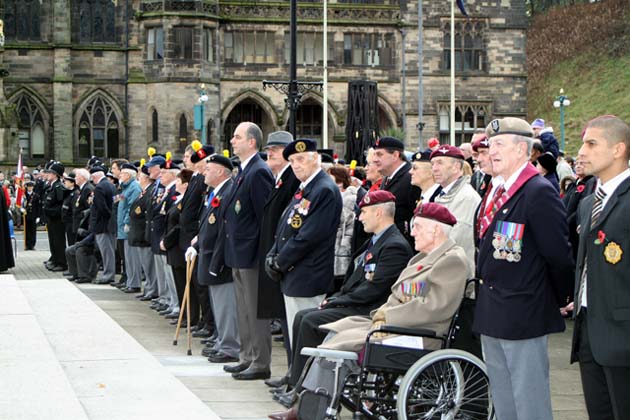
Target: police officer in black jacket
(53, 202)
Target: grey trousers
(293, 305)
(519, 377)
(223, 302)
(81, 261)
(106, 243)
(142, 258)
(255, 333)
(165, 282)
(131, 267)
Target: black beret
(205, 151)
(145, 170)
(71, 177)
(424, 156)
(547, 161)
(98, 168)
(326, 158)
(129, 166)
(389, 143)
(221, 160)
(56, 168)
(299, 146)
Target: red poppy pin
(216, 201)
(419, 268)
(580, 188)
(368, 257)
(298, 195)
(279, 183)
(601, 238)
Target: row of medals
(506, 248)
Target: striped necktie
(596, 212)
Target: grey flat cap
(279, 138)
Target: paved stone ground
(250, 400)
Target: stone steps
(89, 367)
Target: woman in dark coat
(174, 254)
(6, 248)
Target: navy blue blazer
(157, 223)
(305, 248)
(607, 285)
(244, 214)
(191, 206)
(520, 300)
(101, 209)
(210, 238)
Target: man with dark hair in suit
(377, 265)
(389, 159)
(525, 264)
(242, 223)
(53, 201)
(602, 290)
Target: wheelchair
(408, 383)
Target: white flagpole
(325, 87)
(452, 113)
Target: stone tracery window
(22, 20)
(470, 54)
(96, 21)
(31, 133)
(98, 130)
(468, 117)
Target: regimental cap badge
(366, 199)
(494, 124)
(300, 146)
(443, 150)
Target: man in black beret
(53, 202)
(389, 159)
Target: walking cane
(24, 225)
(190, 264)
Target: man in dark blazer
(270, 298)
(377, 265)
(524, 264)
(192, 205)
(389, 159)
(303, 254)
(242, 223)
(100, 215)
(211, 270)
(83, 200)
(602, 291)
(52, 203)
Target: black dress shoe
(146, 298)
(222, 358)
(251, 375)
(202, 333)
(288, 399)
(172, 315)
(165, 311)
(83, 280)
(278, 339)
(281, 390)
(118, 284)
(66, 274)
(183, 325)
(208, 341)
(236, 368)
(209, 351)
(71, 278)
(57, 268)
(131, 289)
(277, 383)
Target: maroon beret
(437, 212)
(448, 151)
(481, 143)
(377, 197)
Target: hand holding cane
(185, 304)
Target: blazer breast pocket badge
(507, 241)
(369, 271)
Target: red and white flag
(19, 181)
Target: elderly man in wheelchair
(404, 368)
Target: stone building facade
(112, 77)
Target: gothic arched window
(469, 46)
(98, 130)
(183, 132)
(96, 21)
(31, 127)
(22, 20)
(154, 127)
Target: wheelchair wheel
(446, 384)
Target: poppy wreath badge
(216, 202)
(612, 250)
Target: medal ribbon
(524, 176)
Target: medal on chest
(507, 241)
(212, 219)
(613, 253)
(138, 210)
(237, 206)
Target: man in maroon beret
(481, 178)
(456, 194)
(377, 265)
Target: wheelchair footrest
(329, 354)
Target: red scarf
(486, 217)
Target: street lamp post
(561, 102)
(203, 98)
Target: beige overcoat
(436, 283)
